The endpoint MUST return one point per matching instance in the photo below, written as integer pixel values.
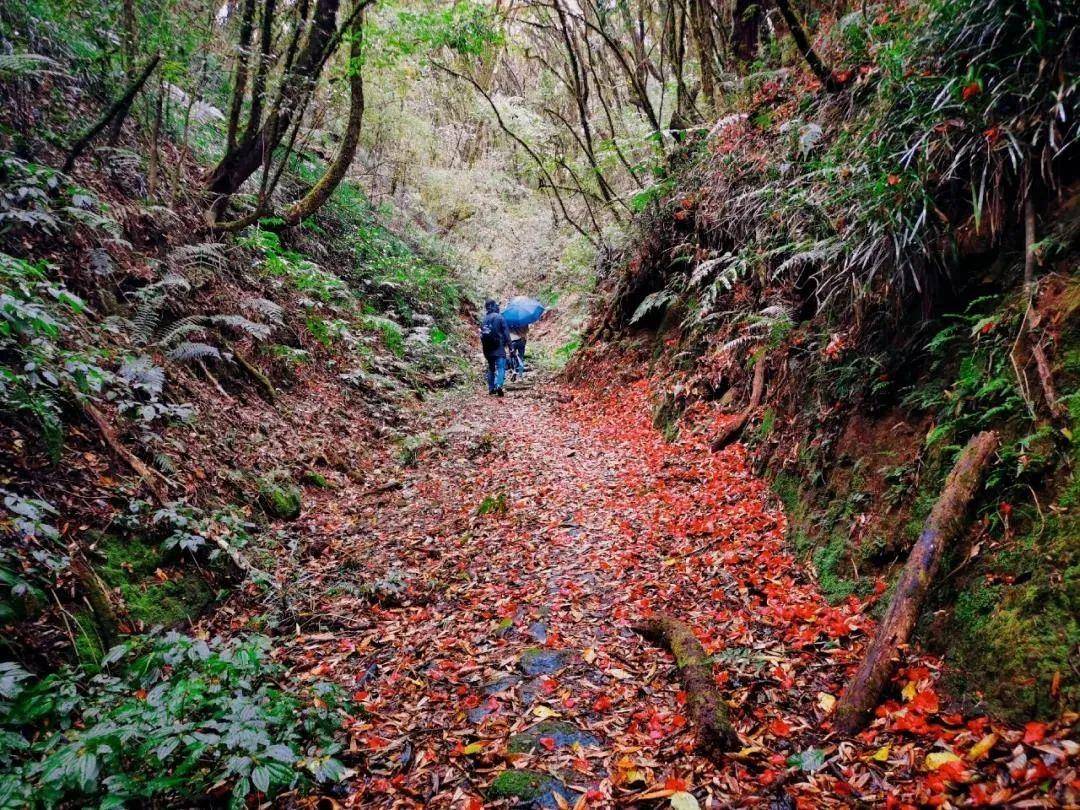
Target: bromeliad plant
(171, 719)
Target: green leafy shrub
(31, 554)
(36, 372)
(170, 719)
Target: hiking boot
(499, 392)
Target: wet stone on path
(540, 661)
(550, 734)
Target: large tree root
(733, 429)
(863, 692)
(705, 705)
(154, 480)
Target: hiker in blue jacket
(495, 341)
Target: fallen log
(945, 520)
(731, 432)
(707, 709)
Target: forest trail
(484, 599)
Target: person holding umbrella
(518, 336)
(495, 341)
(518, 314)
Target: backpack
(489, 337)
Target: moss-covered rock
(317, 479)
(152, 595)
(280, 499)
(530, 788)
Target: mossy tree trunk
(945, 520)
(705, 705)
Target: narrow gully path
(480, 614)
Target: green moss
(89, 648)
(822, 537)
(316, 479)
(829, 561)
(1008, 642)
(525, 786)
(280, 500)
(665, 418)
(131, 565)
(126, 559)
(168, 603)
(768, 422)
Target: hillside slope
(895, 262)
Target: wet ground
(477, 601)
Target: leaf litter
(491, 656)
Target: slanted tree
(266, 131)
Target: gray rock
(563, 734)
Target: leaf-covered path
(477, 599)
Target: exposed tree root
(944, 522)
(152, 478)
(262, 382)
(705, 705)
(732, 431)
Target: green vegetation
(493, 505)
(165, 717)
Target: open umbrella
(521, 311)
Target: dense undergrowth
(139, 353)
(868, 247)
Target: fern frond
(265, 307)
(182, 328)
(151, 299)
(25, 65)
(654, 302)
(188, 351)
(199, 262)
(259, 331)
(118, 160)
(101, 262)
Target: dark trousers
(519, 355)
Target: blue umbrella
(521, 311)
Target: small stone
(561, 733)
(283, 501)
(539, 661)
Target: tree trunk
(944, 523)
(153, 171)
(243, 54)
(705, 705)
(701, 25)
(317, 196)
(825, 75)
(1042, 365)
(745, 25)
(118, 108)
(244, 159)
